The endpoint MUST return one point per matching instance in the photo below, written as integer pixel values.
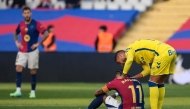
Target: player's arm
(128, 63)
(45, 33)
(145, 72)
(104, 90)
(16, 36)
(99, 92)
(19, 45)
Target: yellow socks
(154, 95)
(161, 89)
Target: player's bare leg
(157, 92)
(33, 83)
(17, 93)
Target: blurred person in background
(72, 4)
(49, 44)
(16, 3)
(45, 4)
(105, 41)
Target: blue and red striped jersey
(130, 91)
(29, 34)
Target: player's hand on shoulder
(34, 46)
(19, 45)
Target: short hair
(117, 53)
(49, 27)
(103, 27)
(120, 72)
(26, 8)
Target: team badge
(26, 38)
(26, 29)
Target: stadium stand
(160, 22)
(72, 27)
(140, 5)
(181, 39)
(77, 27)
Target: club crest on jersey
(26, 29)
(26, 38)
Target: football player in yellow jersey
(157, 60)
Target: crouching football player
(129, 89)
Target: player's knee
(33, 71)
(19, 68)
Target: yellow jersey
(143, 52)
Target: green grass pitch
(79, 95)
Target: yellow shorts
(164, 64)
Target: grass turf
(79, 95)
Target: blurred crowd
(42, 3)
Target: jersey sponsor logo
(26, 29)
(26, 38)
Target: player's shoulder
(21, 22)
(35, 21)
(132, 79)
(115, 80)
(129, 48)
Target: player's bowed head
(120, 57)
(120, 75)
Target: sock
(18, 89)
(33, 82)
(154, 94)
(96, 102)
(18, 81)
(32, 91)
(161, 89)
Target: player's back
(146, 49)
(131, 93)
(148, 44)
